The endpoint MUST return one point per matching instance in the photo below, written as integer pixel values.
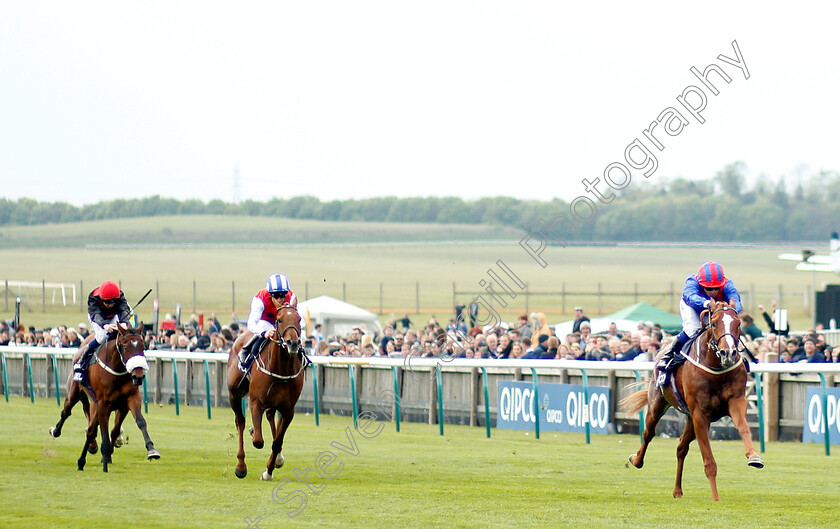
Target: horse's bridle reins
(119, 348)
(286, 344)
(714, 341)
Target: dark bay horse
(710, 384)
(273, 385)
(113, 385)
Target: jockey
(107, 309)
(263, 317)
(700, 289)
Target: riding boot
(246, 355)
(80, 368)
(672, 359)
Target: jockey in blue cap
(709, 283)
(263, 317)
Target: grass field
(415, 478)
(422, 273)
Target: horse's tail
(635, 401)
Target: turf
(415, 478)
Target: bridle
(714, 341)
(288, 346)
(120, 353)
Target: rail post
(536, 402)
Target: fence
(403, 298)
(427, 390)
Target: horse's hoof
(118, 442)
(153, 454)
(52, 432)
(631, 462)
(755, 461)
(93, 449)
(259, 444)
(241, 473)
(265, 476)
(279, 461)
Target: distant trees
(720, 209)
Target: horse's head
(132, 352)
(724, 333)
(288, 330)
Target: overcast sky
(103, 100)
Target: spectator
(613, 331)
(771, 321)
(626, 351)
(505, 347)
(539, 350)
(516, 350)
(792, 347)
(83, 331)
(525, 330)
(580, 317)
(750, 328)
(552, 346)
(811, 353)
(538, 324)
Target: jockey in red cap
(709, 283)
(107, 308)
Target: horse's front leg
(103, 412)
(257, 411)
(656, 409)
(134, 405)
(94, 445)
(701, 431)
(270, 416)
(682, 451)
(738, 412)
(276, 459)
(90, 436)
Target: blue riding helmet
(277, 283)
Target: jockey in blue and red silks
(700, 289)
(263, 316)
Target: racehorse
(113, 384)
(709, 386)
(273, 384)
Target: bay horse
(113, 384)
(273, 385)
(710, 385)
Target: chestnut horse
(273, 384)
(710, 385)
(113, 385)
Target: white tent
(337, 317)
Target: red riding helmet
(711, 275)
(109, 290)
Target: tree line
(719, 209)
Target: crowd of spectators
(528, 338)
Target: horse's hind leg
(656, 408)
(119, 417)
(72, 398)
(738, 412)
(239, 418)
(276, 459)
(134, 406)
(682, 451)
